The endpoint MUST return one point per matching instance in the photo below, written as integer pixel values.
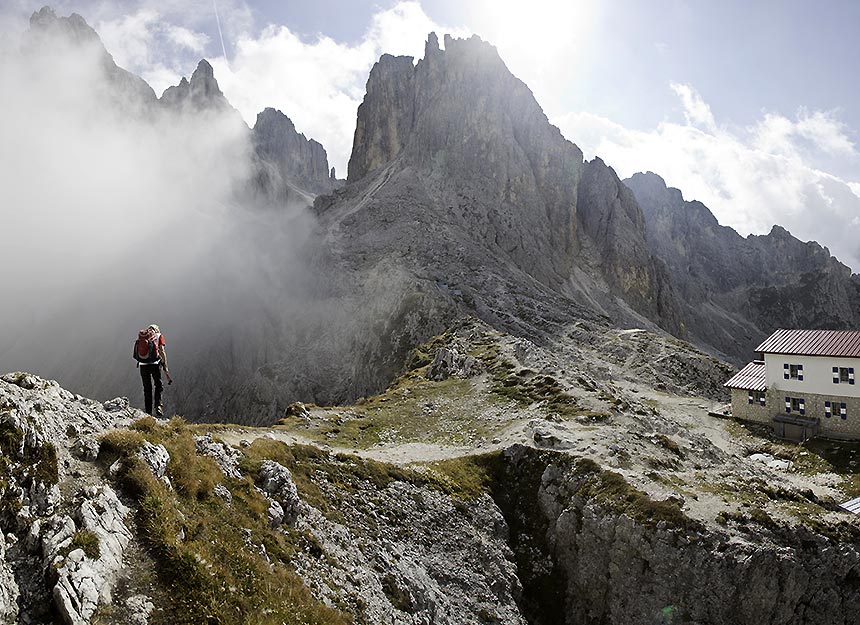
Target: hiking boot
(159, 412)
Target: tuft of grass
(612, 490)
(86, 540)
(207, 564)
(466, 477)
(121, 442)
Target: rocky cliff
(457, 177)
(475, 140)
(56, 36)
(197, 95)
(734, 290)
(300, 162)
(109, 516)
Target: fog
(116, 214)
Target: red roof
(750, 378)
(839, 343)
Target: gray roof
(750, 378)
(838, 343)
(851, 506)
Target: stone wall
(833, 426)
(742, 409)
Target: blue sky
(751, 107)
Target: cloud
(114, 220)
(319, 83)
(696, 110)
(773, 172)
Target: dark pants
(150, 374)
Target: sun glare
(542, 41)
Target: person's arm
(163, 358)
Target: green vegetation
(347, 473)
(86, 540)
(466, 477)
(613, 491)
(201, 543)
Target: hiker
(151, 358)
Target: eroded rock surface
(734, 290)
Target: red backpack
(146, 347)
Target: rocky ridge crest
(734, 290)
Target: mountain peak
(204, 71)
(198, 94)
(461, 96)
(51, 29)
(62, 36)
(296, 159)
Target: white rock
(226, 457)
(223, 492)
(87, 449)
(277, 481)
(276, 513)
(156, 458)
(780, 464)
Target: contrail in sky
(220, 34)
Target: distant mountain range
(462, 199)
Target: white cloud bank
(751, 178)
(319, 84)
(779, 170)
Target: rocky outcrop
(612, 224)
(616, 565)
(224, 456)
(406, 554)
(155, 457)
(277, 481)
(301, 163)
(734, 291)
(64, 528)
(63, 37)
(199, 94)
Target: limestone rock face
(463, 197)
(52, 35)
(300, 162)
(85, 583)
(481, 146)
(201, 93)
(734, 290)
(56, 498)
(278, 482)
(612, 221)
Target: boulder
(156, 458)
(277, 482)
